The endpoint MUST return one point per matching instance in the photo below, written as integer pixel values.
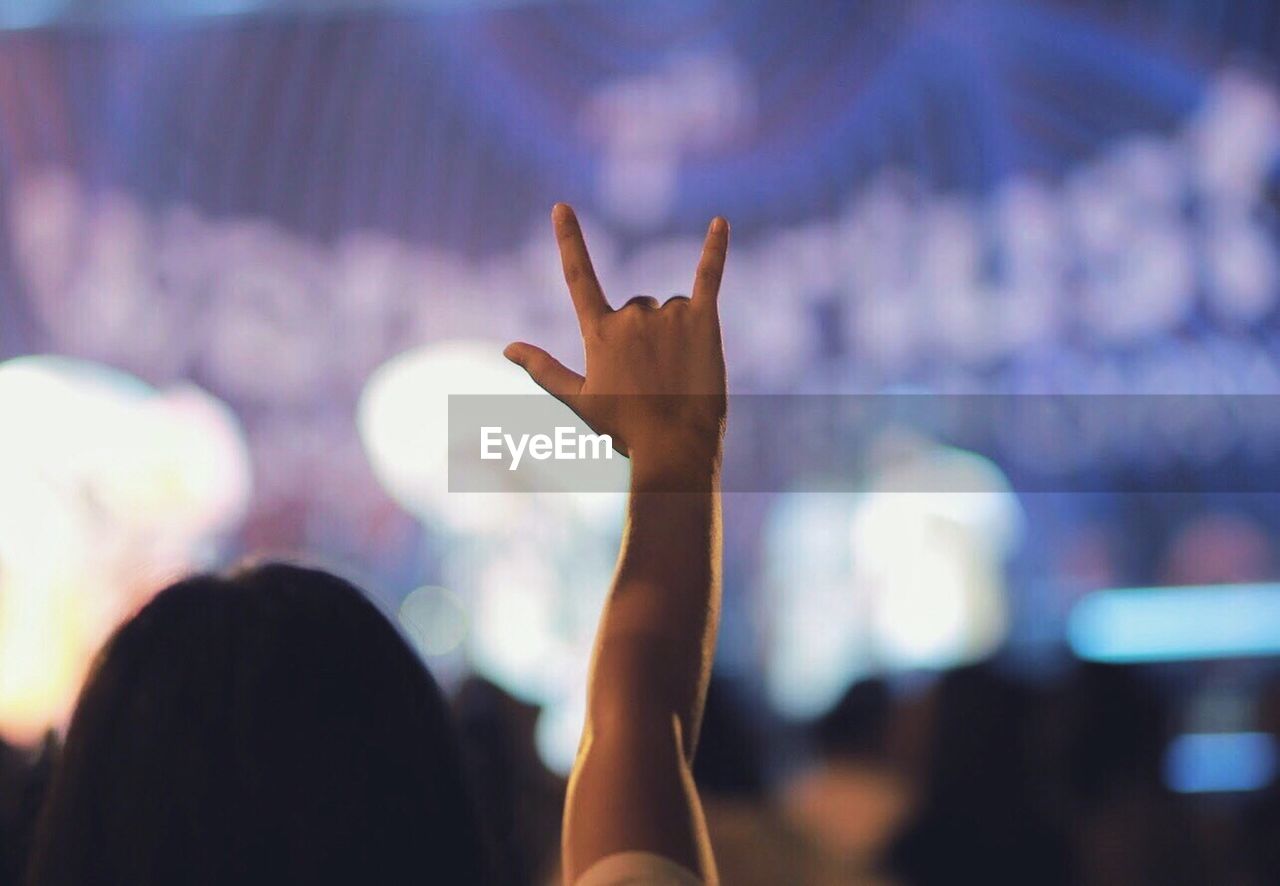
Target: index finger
(588, 298)
(706, 283)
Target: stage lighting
(531, 568)
(902, 576)
(403, 419)
(110, 489)
(1127, 625)
(1220, 762)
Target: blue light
(1219, 762)
(1177, 623)
(30, 14)
(27, 14)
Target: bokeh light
(435, 620)
(889, 579)
(530, 568)
(110, 488)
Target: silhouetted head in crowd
(857, 726)
(1114, 730)
(730, 760)
(979, 812)
(270, 727)
(520, 801)
(24, 777)
(980, 748)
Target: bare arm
(655, 382)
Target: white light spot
(435, 619)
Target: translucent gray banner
(900, 443)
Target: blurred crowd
(975, 776)
(983, 777)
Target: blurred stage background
(246, 247)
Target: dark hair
(268, 727)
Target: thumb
(549, 373)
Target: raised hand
(655, 378)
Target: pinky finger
(706, 283)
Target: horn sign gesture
(655, 377)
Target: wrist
(675, 465)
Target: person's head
(268, 727)
(979, 751)
(857, 725)
(730, 760)
(1113, 729)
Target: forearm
(658, 631)
(632, 786)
